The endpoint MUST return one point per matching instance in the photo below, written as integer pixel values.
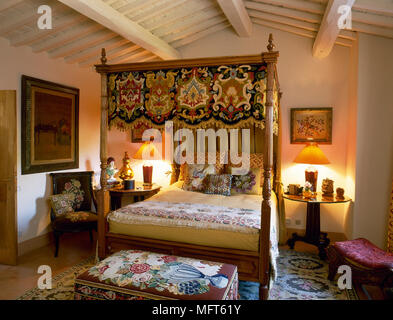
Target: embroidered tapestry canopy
(223, 96)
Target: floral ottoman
(141, 275)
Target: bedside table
(313, 227)
(140, 193)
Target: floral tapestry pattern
(142, 270)
(225, 96)
(73, 187)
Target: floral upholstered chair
(73, 206)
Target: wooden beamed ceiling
(144, 30)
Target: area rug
(300, 276)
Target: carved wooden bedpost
(270, 58)
(103, 194)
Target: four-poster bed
(252, 265)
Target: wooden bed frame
(252, 266)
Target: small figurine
(327, 187)
(308, 193)
(111, 170)
(340, 193)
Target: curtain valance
(223, 96)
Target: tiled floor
(15, 280)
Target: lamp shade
(311, 154)
(147, 152)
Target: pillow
(195, 180)
(73, 187)
(249, 183)
(256, 162)
(62, 203)
(219, 165)
(219, 184)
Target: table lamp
(311, 154)
(147, 152)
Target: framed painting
(311, 124)
(137, 133)
(50, 134)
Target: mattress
(207, 232)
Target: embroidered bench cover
(141, 275)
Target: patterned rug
(301, 276)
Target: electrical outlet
(288, 222)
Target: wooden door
(8, 222)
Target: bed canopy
(221, 92)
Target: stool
(141, 275)
(369, 264)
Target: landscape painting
(49, 126)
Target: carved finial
(103, 56)
(271, 45)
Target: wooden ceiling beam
(68, 36)
(201, 34)
(329, 29)
(181, 13)
(82, 43)
(187, 22)
(189, 32)
(384, 7)
(113, 53)
(290, 13)
(237, 15)
(345, 34)
(95, 51)
(155, 11)
(59, 24)
(117, 22)
(7, 4)
(300, 5)
(30, 17)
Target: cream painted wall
(374, 154)
(34, 189)
(305, 82)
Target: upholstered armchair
(73, 205)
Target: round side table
(313, 234)
(140, 193)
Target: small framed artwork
(137, 133)
(311, 124)
(50, 134)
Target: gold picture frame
(50, 135)
(311, 124)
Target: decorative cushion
(219, 165)
(140, 275)
(81, 219)
(62, 203)
(195, 180)
(219, 184)
(247, 183)
(256, 162)
(365, 253)
(73, 187)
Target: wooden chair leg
(57, 240)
